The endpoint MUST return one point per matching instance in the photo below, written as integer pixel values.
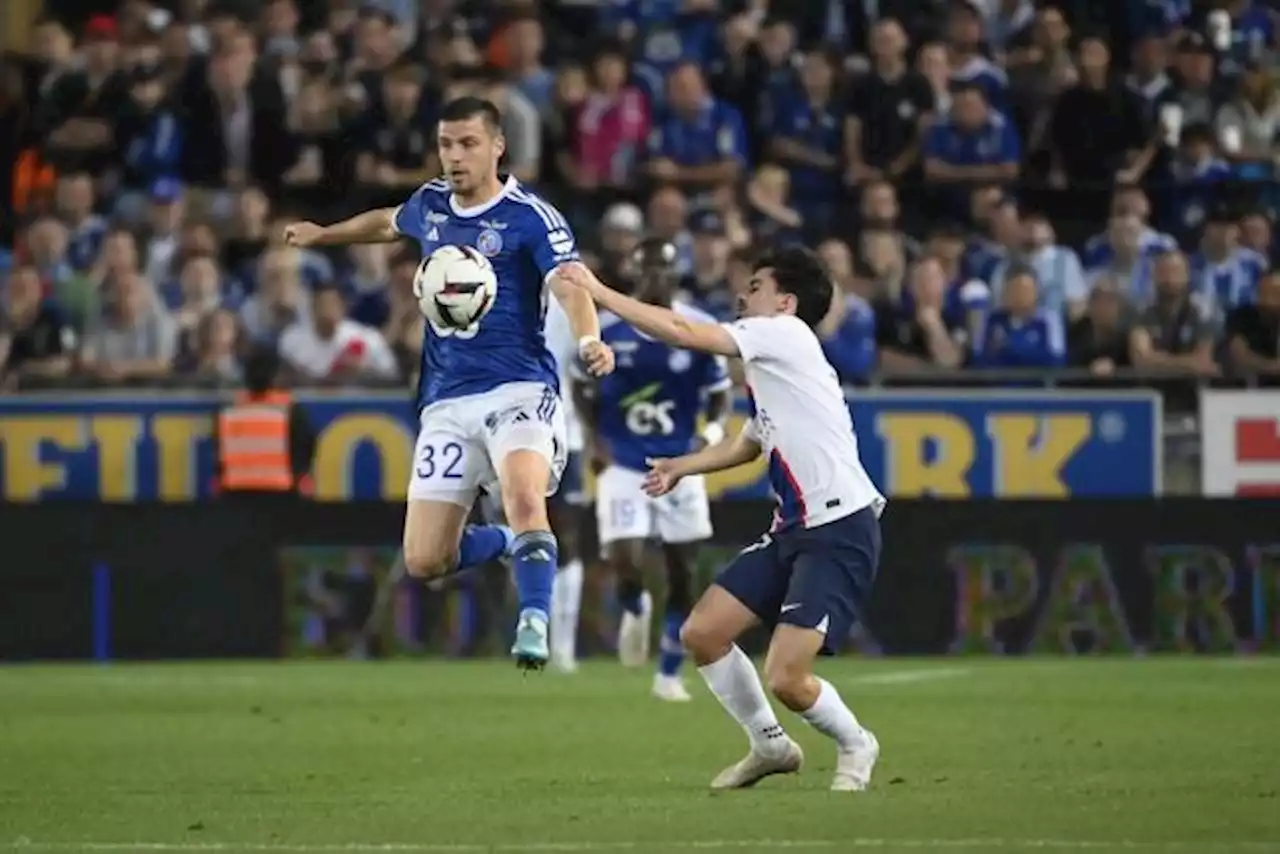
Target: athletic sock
(630, 593)
(481, 544)
(670, 650)
(734, 681)
(831, 717)
(535, 570)
(566, 601)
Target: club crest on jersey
(489, 242)
(680, 361)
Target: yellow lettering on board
(26, 475)
(116, 437)
(336, 449)
(177, 436)
(909, 471)
(1032, 450)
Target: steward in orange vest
(265, 443)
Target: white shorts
(462, 441)
(624, 512)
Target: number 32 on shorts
(443, 460)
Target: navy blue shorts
(572, 489)
(815, 578)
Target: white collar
(459, 210)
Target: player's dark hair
(802, 274)
(470, 106)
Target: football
(455, 287)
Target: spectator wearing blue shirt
(1198, 175)
(1059, 276)
(1126, 200)
(1126, 260)
(85, 229)
(1248, 35)
(968, 65)
(807, 139)
(974, 144)
(1224, 274)
(1021, 334)
(700, 143)
(149, 139)
(848, 336)
(998, 235)
(919, 333)
(664, 34)
(525, 42)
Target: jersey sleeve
(550, 237)
(411, 217)
(763, 338)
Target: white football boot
(633, 634)
(854, 767)
(756, 766)
(670, 688)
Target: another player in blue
(649, 409)
(488, 397)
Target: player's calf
(524, 476)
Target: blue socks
(481, 544)
(536, 558)
(670, 652)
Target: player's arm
(661, 323)
(375, 226)
(743, 449)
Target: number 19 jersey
(649, 406)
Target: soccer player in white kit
(810, 576)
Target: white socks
(831, 717)
(734, 681)
(566, 601)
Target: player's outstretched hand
(662, 477)
(301, 233)
(597, 357)
(579, 275)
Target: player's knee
(526, 510)
(790, 683)
(427, 563)
(704, 642)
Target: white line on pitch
(902, 677)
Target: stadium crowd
(993, 183)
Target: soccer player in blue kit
(649, 408)
(488, 397)
(810, 576)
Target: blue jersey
(525, 239)
(649, 406)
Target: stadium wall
(81, 580)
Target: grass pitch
(978, 755)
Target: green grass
(978, 755)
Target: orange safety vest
(33, 180)
(253, 444)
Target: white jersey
(802, 421)
(564, 347)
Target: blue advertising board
(125, 447)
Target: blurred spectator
(888, 109)
(149, 137)
(79, 106)
(85, 229)
(772, 217)
(330, 347)
(1126, 259)
(1008, 24)
(132, 337)
(1083, 164)
(1198, 93)
(1174, 334)
(620, 233)
(1040, 67)
(396, 154)
(806, 138)
(610, 129)
(215, 348)
(249, 234)
(524, 42)
(1021, 334)
(1256, 233)
(1099, 340)
(918, 334)
(196, 293)
(848, 335)
(970, 68)
(668, 218)
(699, 142)
(36, 337)
(1249, 124)
(46, 245)
(707, 283)
(1253, 331)
(1225, 274)
(1198, 175)
(973, 144)
(162, 235)
(1127, 200)
(280, 301)
(934, 65)
(1058, 274)
(885, 260)
(521, 125)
